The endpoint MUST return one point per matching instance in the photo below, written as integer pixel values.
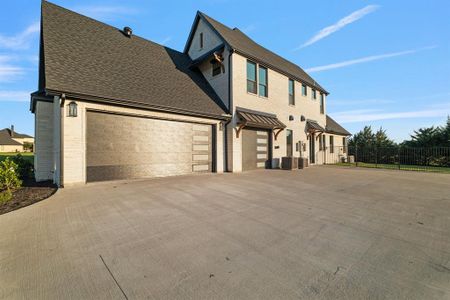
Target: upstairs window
(322, 104)
(304, 90)
(251, 77)
(291, 92)
(201, 40)
(216, 68)
(314, 94)
(263, 81)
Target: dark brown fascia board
(37, 96)
(140, 105)
(194, 27)
(270, 66)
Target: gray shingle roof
(246, 46)
(5, 137)
(333, 127)
(81, 56)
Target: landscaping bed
(29, 193)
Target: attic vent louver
(127, 31)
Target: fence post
(376, 157)
(398, 155)
(356, 154)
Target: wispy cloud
(165, 41)
(360, 101)
(105, 12)
(354, 16)
(365, 59)
(14, 96)
(9, 72)
(356, 116)
(20, 41)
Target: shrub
(5, 196)
(25, 168)
(9, 177)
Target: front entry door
(312, 149)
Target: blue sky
(385, 63)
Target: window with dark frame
(304, 90)
(216, 68)
(291, 92)
(314, 94)
(320, 143)
(322, 107)
(344, 145)
(331, 144)
(263, 91)
(251, 77)
(201, 40)
(289, 143)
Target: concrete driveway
(321, 233)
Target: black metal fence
(436, 159)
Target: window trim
(304, 90)
(314, 94)
(255, 83)
(291, 140)
(267, 81)
(201, 41)
(293, 91)
(331, 144)
(322, 104)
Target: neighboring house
(11, 141)
(112, 105)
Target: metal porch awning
(251, 118)
(313, 127)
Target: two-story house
(112, 105)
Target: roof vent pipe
(12, 130)
(127, 31)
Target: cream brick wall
(277, 103)
(43, 150)
(11, 148)
(74, 137)
(210, 40)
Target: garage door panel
(123, 147)
(255, 151)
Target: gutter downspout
(230, 103)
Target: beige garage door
(255, 149)
(126, 147)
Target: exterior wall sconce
(73, 109)
(302, 118)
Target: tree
(364, 138)
(367, 139)
(382, 140)
(424, 137)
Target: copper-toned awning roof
(259, 119)
(313, 126)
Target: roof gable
(5, 137)
(334, 127)
(89, 58)
(241, 43)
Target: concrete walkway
(321, 233)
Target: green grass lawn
(396, 167)
(27, 155)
